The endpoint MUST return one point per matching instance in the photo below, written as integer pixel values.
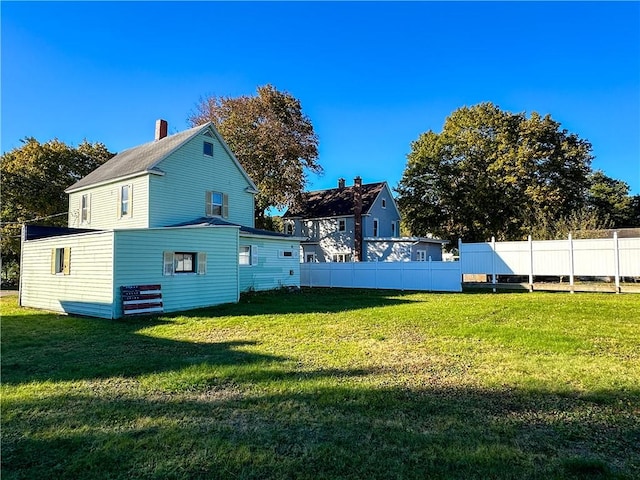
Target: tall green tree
(492, 173)
(610, 198)
(273, 140)
(33, 178)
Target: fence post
(530, 240)
(571, 264)
(493, 263)
(460, 263)
(616, 260)
(430, 275)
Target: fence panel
(428, 276)
(584, 257)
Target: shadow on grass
(47, 346)
(308, 432)
(306, 300)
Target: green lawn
(329, 384)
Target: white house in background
(357, 223)
(175, 216)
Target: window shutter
(130, 200)
(208, 207)
(168, 268)
(66, 269)
(254, 254)
(225, 205)
(202, 263)
(53, 261)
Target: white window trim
(384, 203)
(85, 219)
(312, 255)
(376, 227)
(129, 213)
(421, 255)
(344, 255)
(169, 264)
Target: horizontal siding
(272, 270)
(105, 206)
(178, 196)
(139, 261)
(87, 290)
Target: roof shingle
(138, 159)
(334, 202)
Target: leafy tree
(33, 178)
(492, 173)
(610, 197)
(272, 139)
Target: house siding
(272, 269)
(385, 216)
(139, 261)
(179, 195)
(87, 290)
(105, 207)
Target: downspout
(357, 215)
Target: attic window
(207, 148)
(384, 203)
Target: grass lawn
(328, 384)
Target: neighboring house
(357, 223)
(177, 213)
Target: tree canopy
(33, 178)
(493, 173)
(272, 138)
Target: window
(216, 204)
(375, 227)
(288, 229)
(393, 229)
(342, 225)
(85, 208)
(285, 253)
(421, 256)
(248, 255)
(207, 149)
(341, 257)
(184, 262)
(312, 229)
(310, 258)
(244, 257)
(125, 200)
(384, 203)
(60, 261)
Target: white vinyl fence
(615, 257)
(612, 257)
(430, 276)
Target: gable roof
(334, 202)
(145, 159)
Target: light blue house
(174, 217)
(357, 223)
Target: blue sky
(371, 76)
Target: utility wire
(33, 219)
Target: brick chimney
(357, 216)
(161, 128)
(341, 183)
